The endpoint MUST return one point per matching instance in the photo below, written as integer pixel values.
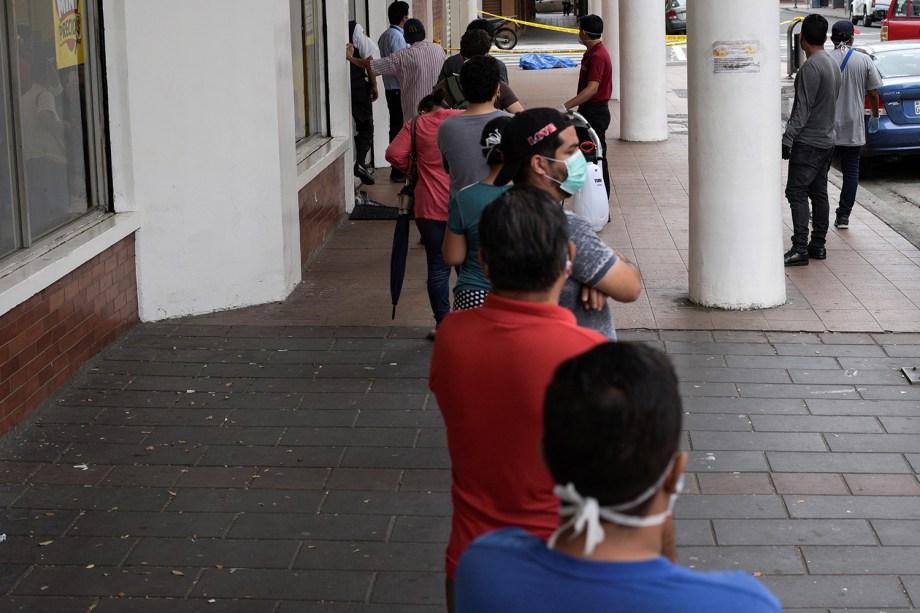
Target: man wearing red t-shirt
(491, 366)
(595, 83)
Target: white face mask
(585, 514)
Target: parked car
(898, 62)
(868, 11)
(903, 21)
(675, 16)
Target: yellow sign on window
(68, 32)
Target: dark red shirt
(596, 66)
(489, 372)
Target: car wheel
(505, 39)
(867, 20)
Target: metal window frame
(95, 129)
(321, 114)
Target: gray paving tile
(409, 588)
(244, 501)
(388, 503)
(432, 437)
(352, 555)
(678, 347)
(795, 423)
(866, 560)
(769, 560)
(312, 386)
(745, 406)
(236, 455)
(845, 591)
(740, 441)
(899, 443)
(912, 585)
(847, 338)
(67, 551)
(797, 462)
(398, 386)
(385, 370)
(901, 425)
(703, 388)
(695, 359)
(30, 451)
(34, 604)
(421, 529)
(396, 457)
(93, 498)
(351, 607)
(902, 351)
(693, 533)
(202, 552)
(310, 526)
(164, 417)
(897, 532)
(732, 375)
(369, 418)
(98, 398)
(882, 364)
(869, 507)
(832, 350)
(861, 407)
(110, 453)
(385, 479)
(793, 532)
(360, 437)
(775, 390)
(890, 392)
(87, 433)
(782, 361)
(421, 480)
(225, 435)
(717, 422)
(284, 584)
(914, 460)
(157, 605)
(727, 461)
(729, 507)
(104, 581)
(150, 524)
(848, 377)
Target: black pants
(807, 179)
(849, 166)
(363, 114)
(394, 106)
(597, 114)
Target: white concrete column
(643, 82)
(595, 8)
(377, 22)
(461, 13)
(736, 242)
(612, 41)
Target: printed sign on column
(68, 33)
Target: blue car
(898, 62)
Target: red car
(903, 21)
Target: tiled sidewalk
(300, 468)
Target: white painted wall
(203, 134)
(736, 243)
(643, 78)
(376, 23)
(611, 40)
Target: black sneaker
(842, 223)
(795, 258)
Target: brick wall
(44, 340)
(321, 209)
(438, 25)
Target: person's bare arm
(364, 63)
(873, 101)
(622, 282)
(515, 107)
(454, 248)
(583, 96)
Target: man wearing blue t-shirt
(611, 429)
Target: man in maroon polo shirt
(595, 83)
(491, 366)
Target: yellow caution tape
(782, 23)
(676, 37)
(532, 24)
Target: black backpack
(454, 97)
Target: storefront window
(306, 42)
(49, 160)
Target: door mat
(367, 209)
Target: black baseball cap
(413, 31)
(522, 135)
(842, 31)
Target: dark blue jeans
(849, 165)
(432, 232)
(807, 179)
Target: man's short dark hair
(479, 77)
(396, 12)
(592, 25)
(523, 237)
(814, 29)
(480, 24)
(612, 421)
(474, 43)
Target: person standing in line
(808, 143)
(540, 148)
(390, 42)
(431, 194)
(490, 367)
(363, 94)
(416, 67)
(453, 63)
(595, 85)
(475, 43)
(458, 137)
(859, 79)
(611, 441)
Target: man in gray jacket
(808, 143)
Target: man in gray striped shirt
(416, 67)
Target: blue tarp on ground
(539, 61)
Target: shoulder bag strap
(846, 59)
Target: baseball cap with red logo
(523, 134)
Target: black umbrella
(400, 245)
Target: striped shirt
(417, 69)
(390, 42)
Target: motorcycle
(504, 32)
